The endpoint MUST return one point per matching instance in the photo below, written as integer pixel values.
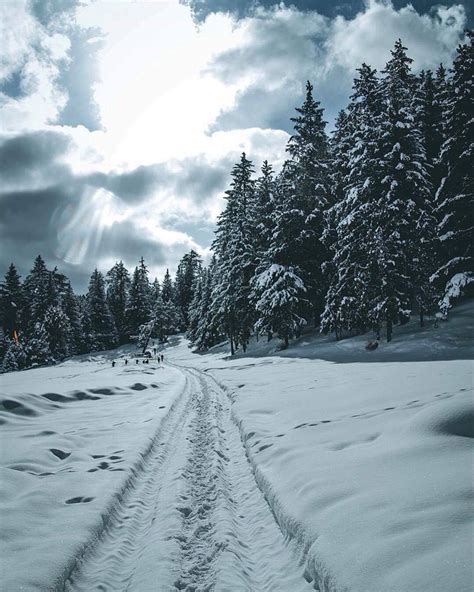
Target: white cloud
(430, 38)
(38, 53)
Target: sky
(120, 120)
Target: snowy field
(265, 472)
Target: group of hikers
(159, 357)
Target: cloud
(279, 48)
(47, 66)
(201, 9)
(31, 160)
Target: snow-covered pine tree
(138, 309)
(405, 220)
(67, 301)
(38, 349)
(195, 306)
(205, 330)
(349, 231)
(167, 289)
(15, 357)
(307, 197)
(58, 330)
(233, 246)
(98, 320)
(279, 292)
(188, 269)
(263, 211)
(455, 196)
(118, 285)
(165, 319)
(35, 290)
(11, 302)
(155, 290)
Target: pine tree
(99, 322)
(204, 331)
(350, 222)
(139, 299)
(454, 207)
(165, 319)
(279, 293)
(15, 357)
(11, 302)
(405, 220)
(37, 294)
(58, 329)
(118, 285)
(38, 350)
(262, 211)
(233, 246)
(301, 214)
(167, 290)
(188, 268)
(155, 290)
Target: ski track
(192, 517)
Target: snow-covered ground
(254, 473)
(72, 438)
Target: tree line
(43, 321)
(359, 230)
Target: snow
(363, 458)
(367, 465)
(71, 436)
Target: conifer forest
(361, 230)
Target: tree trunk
(422, 317)
(389, 330)
(286, 341)
(269, 336)
(231, 343)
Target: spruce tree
(350, 222)
(263, 211)
(188, 269)
(167, 290)
(454, 200)
(301, 215)
(233, 246)
(11, 302)
(404, 218)
(58, 329)
(37, 294)
(279, 292)
(139, 299)
(99, 322)
(118, 285)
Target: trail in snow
(192, 517)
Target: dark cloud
(241, 8)
(47, 209)
(201, 9)
(33, 156)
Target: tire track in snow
(193, 518)
(230, 538)
(109, 563)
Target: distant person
(113, 363)
(154, 351)
(136, 361)
(162, 357)
(126, 361)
